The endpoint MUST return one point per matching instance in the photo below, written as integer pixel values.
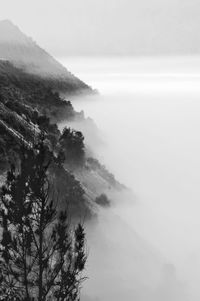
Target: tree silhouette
(41, 258)
(73, 143)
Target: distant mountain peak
(7, 22)
(9, 32)
(24, 53)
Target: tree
(102, 200)
(41, 258)
(73, 143)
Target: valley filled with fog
(147, 246)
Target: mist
(146, 246)
(114, 27)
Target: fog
(148, 113)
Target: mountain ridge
(26, 54)
(28, 108)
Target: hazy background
(108, 27)
(148, 113)
(143, 57)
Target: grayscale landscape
(99, 150)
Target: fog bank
(150, 124)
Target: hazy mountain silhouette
(24, 53)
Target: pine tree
(41, 258)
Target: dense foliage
(40, 257)
(15, 84)
(27, 106)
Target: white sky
(98, 27)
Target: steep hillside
(24, 53)
(29, 108)
(29, 89)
